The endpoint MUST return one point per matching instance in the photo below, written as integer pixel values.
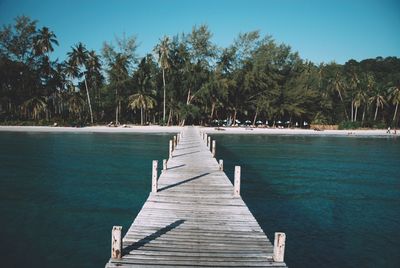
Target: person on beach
(388, 131)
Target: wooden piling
(213, 148)
(170, 148)
(164, 163)
(116, 242)
(205, 138)
(221, 165)
(236, 190)
(175, 139)
(209, 143)
(154, 186)
(279, 247)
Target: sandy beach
(93, 129)
(297, 131)
(211, 130)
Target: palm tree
(338, 85)
(119, 77)
(76, 104)
(35, 107)
(359, 98)
(379, 99)
(394, 93)
(353, 85)
(44, 41)
(78, 58)
(368, 84)
(142, 101)
(162, 50)
(95, 78)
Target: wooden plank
(195, 218)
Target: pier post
(154, 184)
(279, 247)
(175, 139)
(205, 138)
(213, 148)
(170, 148)
(236, 190)
(209, 143)
(164, 164)
(116, 242)
(221, 165)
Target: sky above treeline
(320, 30)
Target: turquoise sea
(337, 198)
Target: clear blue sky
(321, 31)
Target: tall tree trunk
(169, 117)
(116, 115)
(163, 76)
(355, 116)
(376, 111)
(212, 110)
(344, 106)
(141, 116)
(395, 112)
(363, 115)
(352, 111)
(90, 105)
(234, 116)
(188, 98)
(119, 110)
(116, 106)
(255, 117)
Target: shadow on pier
(151, 237)
(182, 182)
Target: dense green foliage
(187, 79)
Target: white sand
(211, 130)
(286, 131)
(129, 129)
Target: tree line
(187, 79)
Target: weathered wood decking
(194, 218)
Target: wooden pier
(194, 216)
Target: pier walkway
(193, 218)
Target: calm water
(337, 198)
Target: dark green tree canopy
(188, 79)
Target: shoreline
(209, 130)
(93, 129)
(298, 131)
